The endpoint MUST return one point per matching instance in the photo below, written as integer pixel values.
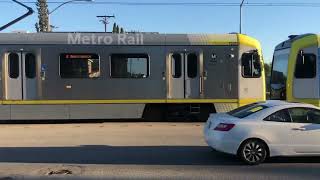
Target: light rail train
(127, 76)
(295, 70)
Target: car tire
(253, 152)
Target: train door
(20, 76)
(184, 76)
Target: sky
(270, 25)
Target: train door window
(176, 65)
(79, 65)
(306, 66)
(14, 68)
(30, 66)
(192, 65)
(251, 67)
(134, 66)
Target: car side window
(280, 116)
(314, 116)
(300, 115)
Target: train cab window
(134, 66)
(250, 65)
(306, 66)
(14, 69)
(192, 65)
(176, 65)
(279, 76)
(30, 66)
(79, 65)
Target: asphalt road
(130, 151)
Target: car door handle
(299, 129)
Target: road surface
(130, 151)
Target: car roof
(274, 103)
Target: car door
(278, 127)
(306, 130)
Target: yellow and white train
(295, 70)
(111, 76)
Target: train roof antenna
(30, 11)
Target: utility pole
(105, 20)
(241, 5)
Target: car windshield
(247, 110)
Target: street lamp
(67, 2)
(241, 5)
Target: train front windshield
(279, 76)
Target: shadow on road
(140, 155)
(128, 155)
(90, 121)
(294, 160)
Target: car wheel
(253, 152)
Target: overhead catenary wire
(127, 3)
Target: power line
(137, 3)
(284, 4)
(274, 4)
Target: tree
(267, 69)
(117, 29)
(43, 16)
(114, 29)
(37, 27)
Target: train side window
(79, 65)
(14, 68)
(134, 66)
(306, 66)
(176, 65)
(250, 65)
(192, 64)
(30, 66)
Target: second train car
(127, 76)
(295, 70)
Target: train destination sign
(78, 56)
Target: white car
(267, 129)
